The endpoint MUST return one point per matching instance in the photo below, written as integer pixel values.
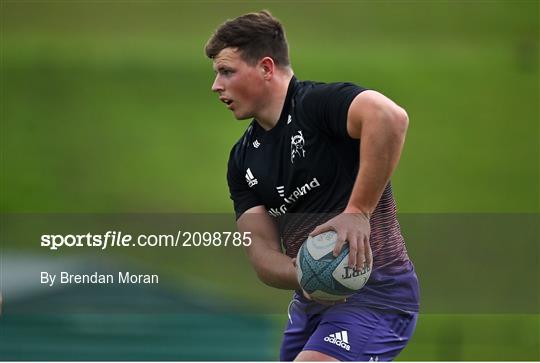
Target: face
(240, 86)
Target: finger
(353, 248)
(339, 244)
(320, 229)
(361, 253)
(369, 253)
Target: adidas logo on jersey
(256, 144)
(289, 119)
(340, 339)
(250, 178)
(281, 190)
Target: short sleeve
(328, 105)
(242, 195)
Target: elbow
(265, 279)
(263, 276)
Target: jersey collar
(285, 112)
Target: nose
(216, 86)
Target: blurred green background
(106, 107)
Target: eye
(226, 72)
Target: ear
(267, 67)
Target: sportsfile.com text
(120, 239)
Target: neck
(269, 115)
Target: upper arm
(327, 106)
(372, 105)
(242, 195)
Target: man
(316, 157)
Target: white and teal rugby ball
(324, 276)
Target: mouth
(226, 101)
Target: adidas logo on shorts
(340, 339)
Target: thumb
(320, 229)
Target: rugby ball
(324, 276)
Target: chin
(242, 116)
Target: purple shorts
(361, 329)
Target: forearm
(272, 266)
(275, 269)
(381, 141)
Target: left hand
(355, 229)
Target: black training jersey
(304, 168)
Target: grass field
(113, 112)
(106, 108)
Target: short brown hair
(256, 35)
